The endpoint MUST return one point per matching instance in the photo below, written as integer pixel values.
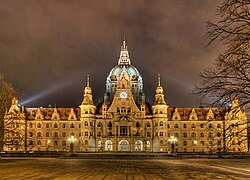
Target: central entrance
(123, 145)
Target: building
(125, 122)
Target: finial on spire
(159, 80)
(87, 80)
(124, 47)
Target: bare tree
(230, 77)
(7, 92)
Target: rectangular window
(86, 133)
(123, 131)
(161, 133)
(148, 134)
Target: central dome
(135, 79)
(131, 70)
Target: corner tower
(135, 78)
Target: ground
(56, 168)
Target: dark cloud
(47, 47)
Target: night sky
(48, 47)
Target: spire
(87, 80)
(124, 47)
(159, 80)
(124, 56)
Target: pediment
(123, 120)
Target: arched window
(202, 134)
(39, 125)
(72, 125)
(184, 143)
(193, 134)
(86, 142)
(39, 134)
(210, 135)
(55, 125)
(31, 134)
(161, 123)
(176, 134)
(218, 126)
(184, 134)
(108, 145)
(184, 126)
(39, 143)
(64, 125)
(63, 134)
(47, 134)
(56, 134)
(47, 125)
(55, 143)
(218, 134)
(99, 124)
(31, 125)
(201, 125)
(86, 123)
(210, 125)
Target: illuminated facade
(125, 122)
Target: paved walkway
(49, 168)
